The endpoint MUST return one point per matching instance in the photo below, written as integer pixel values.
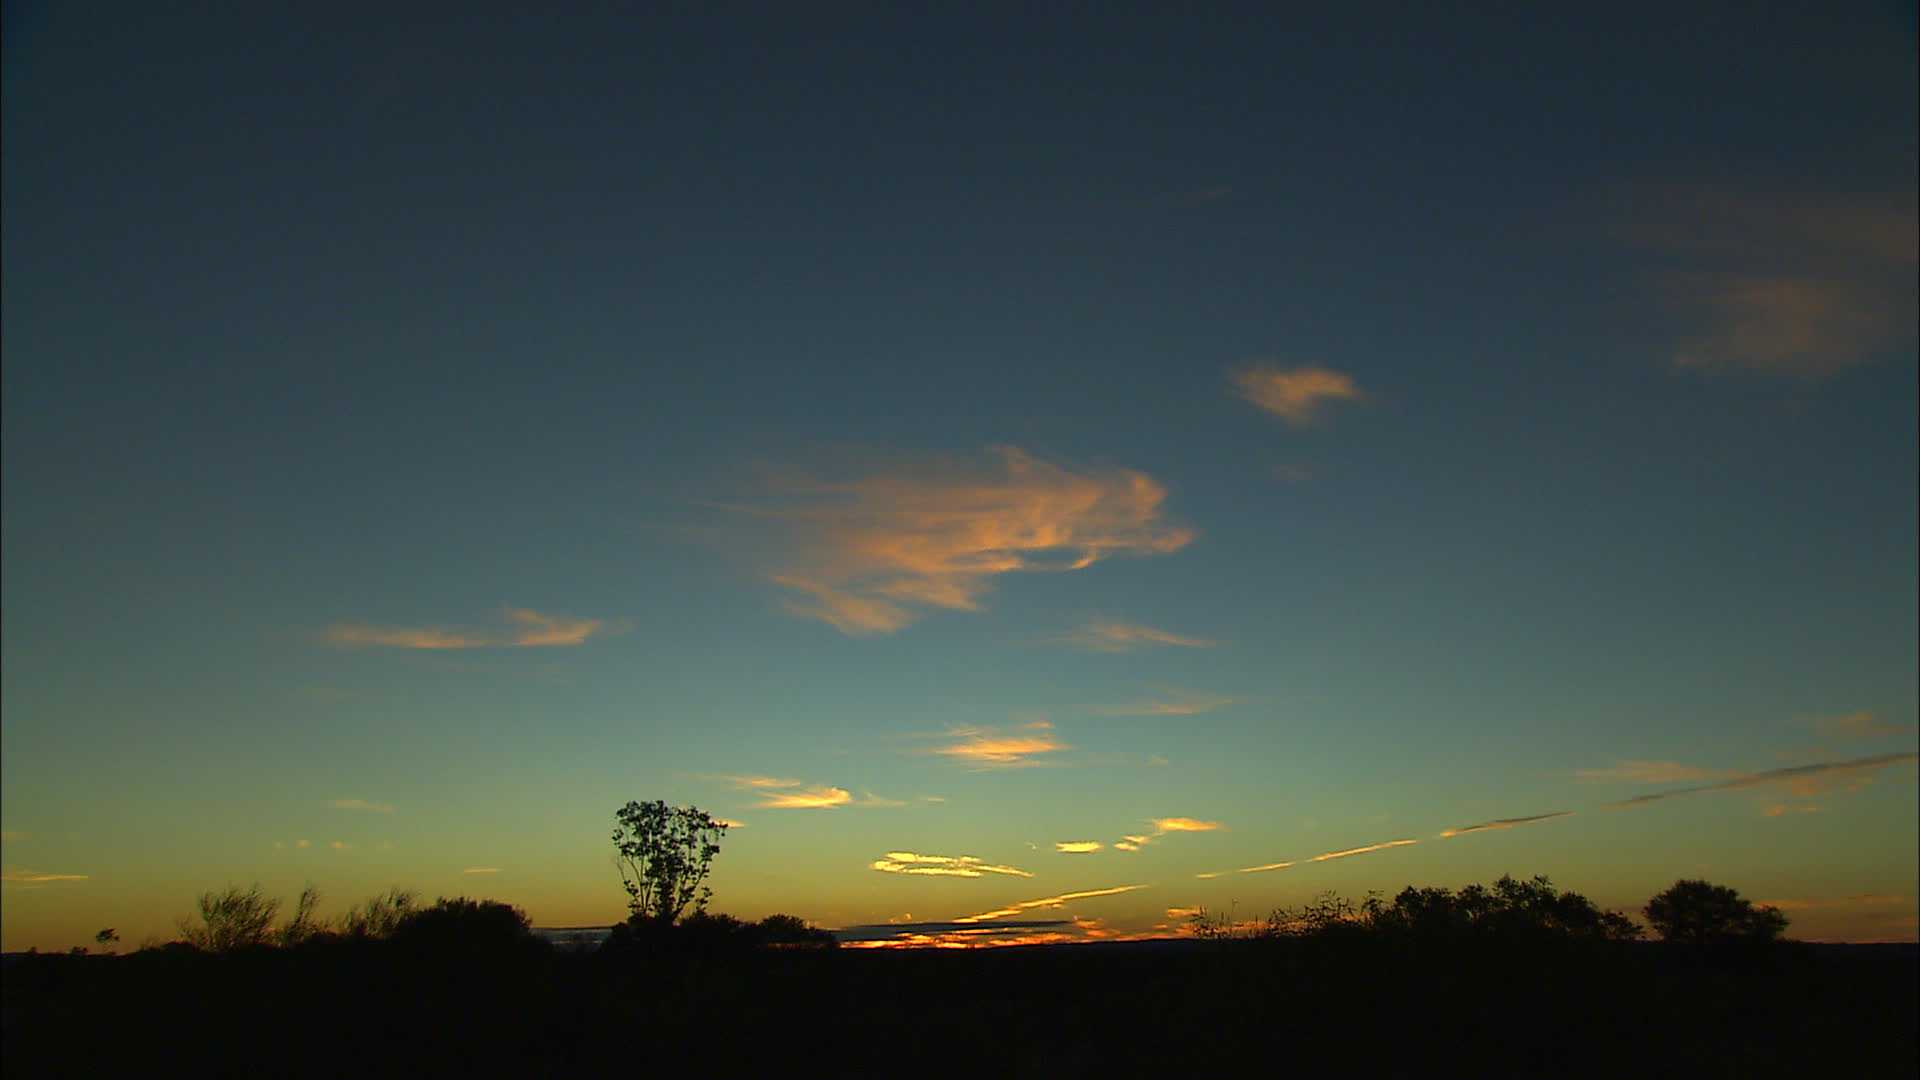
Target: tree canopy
(1700, 913)
(664, 853)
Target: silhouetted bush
(380, 915)
(792, 931)
(1700, 913)
(235, 918)
(460, 925)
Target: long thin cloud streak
(1322, 857)
(1647, 772)
(1046, 901)
(962, 866)
(34, 877)
(1775, 776)
(1504, 823)
(875, 552)
(526, 629)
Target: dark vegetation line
(1511, 979)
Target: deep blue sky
(327, 323)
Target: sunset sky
(1066, 467)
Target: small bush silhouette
(1701, 913)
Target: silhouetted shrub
(792, 931)
(233, 919)
(381, 915)
(460, 925)
(1700, 913)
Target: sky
(1036, 469)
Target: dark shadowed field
(1237, 1007)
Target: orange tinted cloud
(875, 551)
(526, 629)
(1295, 395)
(1782, 325)
(1185, 824)
(963, 866)
(1106, 635)
(1786, 284)
(991, 748)
(1077, 847)
(810, 798)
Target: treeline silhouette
(1510, 979)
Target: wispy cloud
(961, 866)
(361, 804)
(1800, 326)
(1046, 901)
(1325, 856)
(1859, 725)
(1295, 395)
(1170, 703)
(36, 877)
(1000, 748)
(780, 793)
(1647, 772)
(1077, 847)
(524, 629)
(1504, 823)
(1184, 824)
(339, 845)
(1113, 636)
(872, 553)
(1804, 780)
(1163, 826)
(481, 870)
(1782, 284)
(819, 797)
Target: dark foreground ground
(1238, 1008)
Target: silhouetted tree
(1701, 913)
(109, 936)
(663, 853)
